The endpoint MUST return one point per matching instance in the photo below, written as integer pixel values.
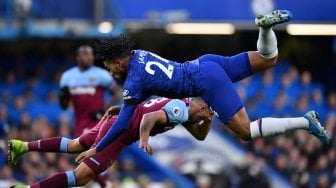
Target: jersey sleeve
(177, 111)
(119, 126)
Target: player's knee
(71, 146)
(244, 134)
(83, 176)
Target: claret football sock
(58, 180)
(273, 126)
(56, 144)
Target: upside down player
(163, 114)
(210, 76)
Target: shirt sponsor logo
(83, 90)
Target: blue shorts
(215, 82)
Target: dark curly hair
(110, 49)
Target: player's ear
(118, 62)
(202, 108)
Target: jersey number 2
(167, 70)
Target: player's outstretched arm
(199, 130)
(148, 121)
(119, 126)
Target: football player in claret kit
(210, 76)
(150, 118)
(84, 87)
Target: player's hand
(86, 154)
(145, 146)
(113, 110)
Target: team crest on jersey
(176, 111)
(125, 92)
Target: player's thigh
(231, 112)
(259, 63)
(237, 67)
(221, 95)
(87, 139)
(105, 158)
(75, 147)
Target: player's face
(117, 70)
(85, 58)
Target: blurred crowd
(297, 155)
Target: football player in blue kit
(210, 76)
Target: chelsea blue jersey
(150, 74)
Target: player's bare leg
(240, 125)
(83, 174)
(268, 126)
(259, 63)
(75, 147)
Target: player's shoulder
(96, 68)
(176, 103)
(99, 70)
(140, 52)
(177, 111)
(139, 56)
(70, 71)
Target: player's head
(199, 109)
(115, 53)
(84, 56)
